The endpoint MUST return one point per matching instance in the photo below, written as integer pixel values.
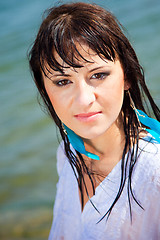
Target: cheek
(114, 91)
(113, 97)
(118, 89)
(59, 103)
(53, 96)
(118, 95)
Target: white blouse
(69, 223)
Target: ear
(126, 85)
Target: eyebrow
(94, 69)
(61, 74)
(68, 75)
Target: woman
(94, 89)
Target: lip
(86, 117)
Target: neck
(109, 147)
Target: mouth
(87, 117)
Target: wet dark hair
(61, 30)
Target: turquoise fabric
(78, 143)
(153, 124)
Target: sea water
(28, 137)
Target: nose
(85, 94)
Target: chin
(91, 135)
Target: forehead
(83, 56)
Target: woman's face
(88, 100)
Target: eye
(61, 83)
(100, 76)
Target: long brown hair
(61, 30)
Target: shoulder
(146, 182)
(147, 168)
(149, 154)
(62, 159)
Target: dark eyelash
(61, 83)
(104, 74)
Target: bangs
(64, 35)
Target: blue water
(28, 138)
